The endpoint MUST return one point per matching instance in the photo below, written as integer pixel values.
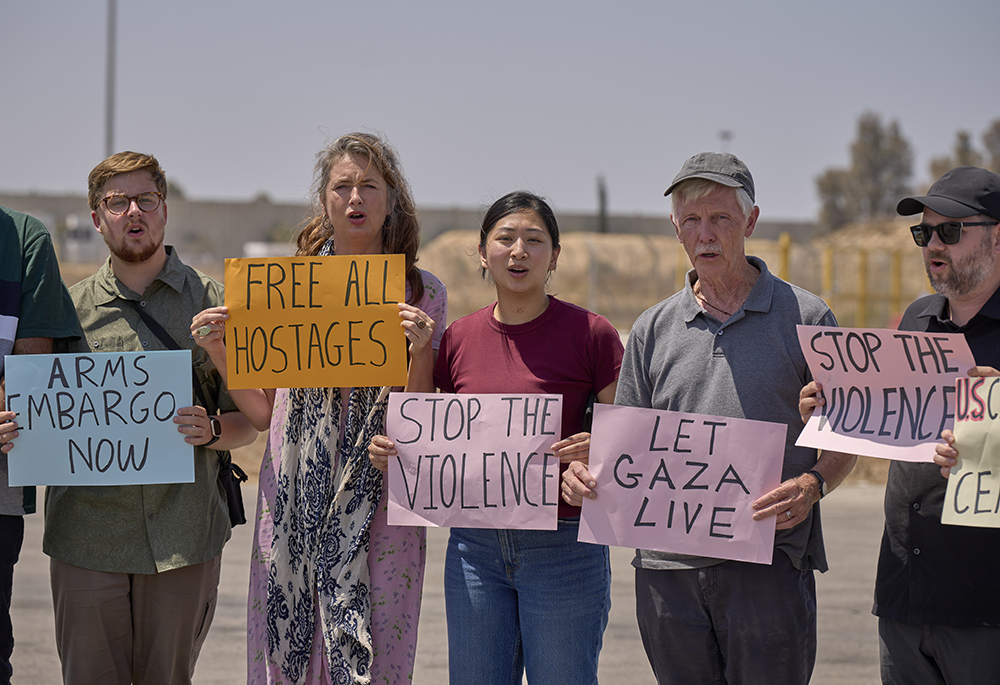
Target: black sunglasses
(949, 232)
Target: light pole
(724, 138)
(109, 84)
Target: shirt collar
(937, 306)
(759, 299)
(109, 288)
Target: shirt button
(720, 331)
(142, 303)
(916, 505)
(145, 343)
(150, 517)
(916, 551)
(96, 344)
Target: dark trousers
(733, 623)
(11, 537)
(938, 655)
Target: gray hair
(697, 188)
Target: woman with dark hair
(334, 590)
(526, 600)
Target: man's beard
(132, 253)
(968, 274)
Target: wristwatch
(216, 430)
(819, 479)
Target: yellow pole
(826, 275)
(861, 315)
(895, 283)
(784, 249)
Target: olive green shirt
(143, 528)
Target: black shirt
(929, 573)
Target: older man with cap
(726, 345)
(937, 593)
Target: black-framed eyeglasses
(949, 232)
(119, 204)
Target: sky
(236, 97)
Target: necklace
(702, 299)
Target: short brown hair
(123, 163)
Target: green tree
(963, 154)
(835, 195)
(881, 167)
(991, 141)
(879, 174)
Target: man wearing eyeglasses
(135, 568)
(937, 590)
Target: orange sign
(306, 322)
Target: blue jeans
(525, 600)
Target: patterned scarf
(328, 492)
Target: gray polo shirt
(679, 358)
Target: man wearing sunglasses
(937, 593)
(135, 568)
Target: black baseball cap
(963, 191)
(721, 167)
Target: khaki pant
(120, 628)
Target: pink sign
(684, 483)
(888, 393)
(474, 461)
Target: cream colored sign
(973, 495)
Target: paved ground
(848, 647)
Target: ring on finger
(421, 323)
(788, 513)
(204, 330)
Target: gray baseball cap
(721, 167)
(963, 191)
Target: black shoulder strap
(171, 344)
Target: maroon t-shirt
(566, 351)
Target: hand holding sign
(208, 328)
(380, 451)
(418, 327)
(8, 431)
(946, 456)
(578, 483)
(574, 448)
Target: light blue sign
(99, 419)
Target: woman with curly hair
(334, 590)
